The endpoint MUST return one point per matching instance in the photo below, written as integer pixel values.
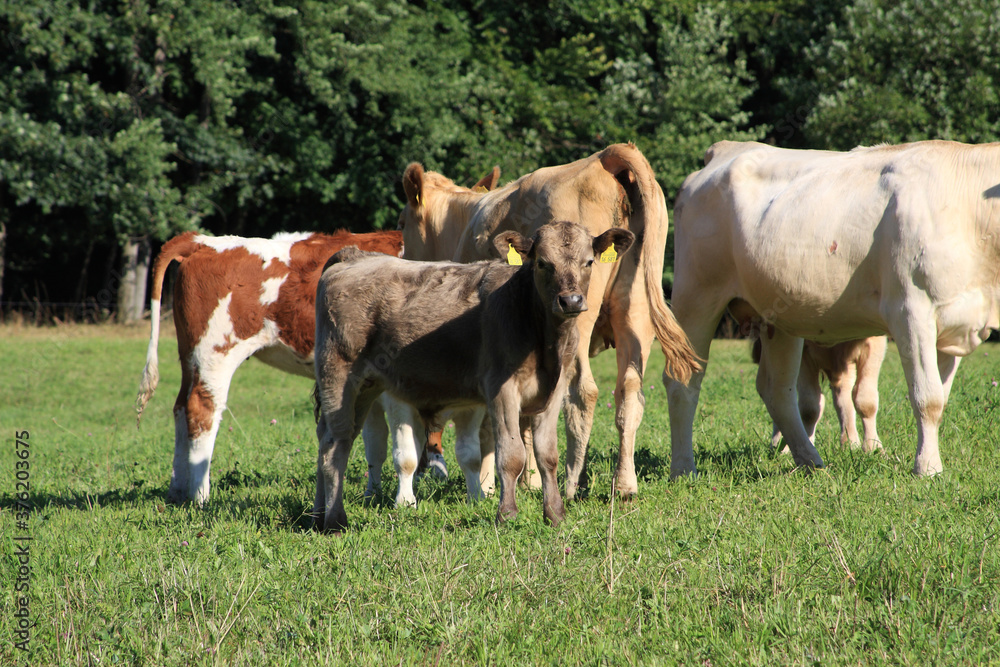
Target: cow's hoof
(436, 466)
(177, 497)
(927, 470)
(627, 496)
(809, 467)
(406, 501)
(506, 515)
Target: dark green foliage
(141, 118)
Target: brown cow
(614, 188)
(444, 335)
(235, 298)
(852, 369)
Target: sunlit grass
(750, 563)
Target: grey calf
(444, 335)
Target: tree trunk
(134, 275)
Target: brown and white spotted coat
(234, 298)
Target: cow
(235, 298)
(613, 188)
(443, 335)
(852, 368)
(830, 247)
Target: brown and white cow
(614, 188)
(831, 247)
(852, 369)
(445, 335)
(235, 298)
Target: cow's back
(417, 322)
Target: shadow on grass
(649, 467)
(82, 500)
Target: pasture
(750, 563)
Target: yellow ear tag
(480, 189)
(609, 256)
(513, 258)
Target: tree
(904, 71)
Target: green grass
(750, 563)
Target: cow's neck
(452, 225)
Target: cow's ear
(504, 242)
(413, 184)
(621, 239)
(489, 181)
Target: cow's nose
(572, 304)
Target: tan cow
(832, 247)
(235, 298)
(614, 188)
(852, 369)
(443, 335)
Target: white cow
(830, 246)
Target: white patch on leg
(403, 423)
(215, 371)
(468, 451)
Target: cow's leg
(530, 479)
(504, 410)
(545, 427)
(633, 341)
(578, 414)
(407, 438)
(915, 333)
(842, 385)
(699, 317)
(811, 399)
(947, 367)
(468, 450)
(324, 438)
(344, 404)
(375, 435)
(179, 476)
(777, 376)
(866, 390)
(487, 450)
(197, 414)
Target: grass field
(750, 563)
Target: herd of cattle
(487, 305)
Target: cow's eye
(589, 263)
(543, 265)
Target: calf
(444, 335)
(235, 298)
(852, 369)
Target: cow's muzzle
(571, 305)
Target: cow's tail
(178, 248)
(651, 211)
